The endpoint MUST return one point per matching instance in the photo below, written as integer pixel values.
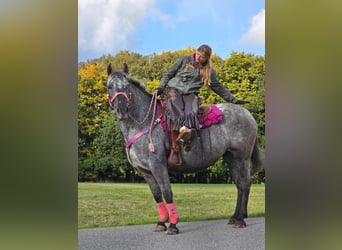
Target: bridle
(129, 101)
(111, 100)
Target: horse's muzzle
(122, 112)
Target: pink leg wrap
(173, 213)
(163, 215)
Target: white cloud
(166, 20)
(256, 33)
(109, 25)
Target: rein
(153, 123)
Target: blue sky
(153, 26)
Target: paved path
(203, 235)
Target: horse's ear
(125, 69)
(109, 69)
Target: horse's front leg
(173, 214)
(174, 218)
(161, 176)
(162, 210)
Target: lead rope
(150, 145)
(146, 116)
(154, 99)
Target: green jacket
(187, 80)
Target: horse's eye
(110, 86)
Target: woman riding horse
(234, 139)
(182, 82)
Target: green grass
(118, 204)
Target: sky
(154, 26)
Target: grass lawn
(118, 204)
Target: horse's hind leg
(157, 195)
(239, 169)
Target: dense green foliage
(102, 156)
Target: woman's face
(200, 57)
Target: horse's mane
(137, 83)
(131, 80)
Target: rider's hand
(159, 91)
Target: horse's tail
(256, 158)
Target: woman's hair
(205, 69)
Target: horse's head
(118, 91)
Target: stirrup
(170, 160)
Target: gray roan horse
(234, 138)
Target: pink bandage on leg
(173, 213)
(163, 215)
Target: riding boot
(186, 136)
(174, 150)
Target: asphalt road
(204, 235)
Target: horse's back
(237, 123)
(234, 114)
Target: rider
(182, 82)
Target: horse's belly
(201, 156)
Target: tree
(109, 155)
(92, 98)
(92, 109)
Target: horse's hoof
(172, 230)
(240, 225)
(237, 223)
(232, 221)
(161, 227)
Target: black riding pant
(182, 109)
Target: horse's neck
(140, 104)
(138, 109)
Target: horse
(234, 139)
